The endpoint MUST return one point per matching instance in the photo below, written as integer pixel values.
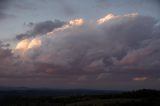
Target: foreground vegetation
(134, 98)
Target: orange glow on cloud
(111, 16)
(76, 22)
(34, 43)
(140, 78)
(70, 24)
(106, 18)
(23, 46)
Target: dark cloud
(40, 28)
(6, 60)
(121, 49)
(4, 53)
(124, 41)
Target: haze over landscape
(91, 44)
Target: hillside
(132, 98)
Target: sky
(93, 44)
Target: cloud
(102, 76)
(140, 54)
(116, 49)
(40, 28)
(4, 53)
(140, 78)
(82, 78)
(6, 59)
(116, 42)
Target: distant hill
(6, 88)
(24, 91)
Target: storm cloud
(40, 28)
(114, 48)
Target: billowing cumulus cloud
(112, 49)
(40, 28)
